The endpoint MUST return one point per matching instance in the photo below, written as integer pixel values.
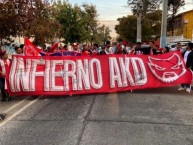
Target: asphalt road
(161, 116)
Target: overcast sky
(110, 10)
(107, 9)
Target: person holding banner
(178, 47)
(152, 49)
(95, 49)
(138, 49)
(86, 50)
(188, 59)
(76, 51)
(102, 52)
(107, 47)
(75, 48)
(121, 49)
(4, 67)
(19, 50)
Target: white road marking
(19, 111)
(14, 106)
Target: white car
(172, 45)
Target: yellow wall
(188, 28)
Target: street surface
(161, 116)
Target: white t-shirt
(107, 51)
(112, 49)
(186, 55)
(173, 49)
(22, 54)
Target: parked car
(145, 48)
(183, 43)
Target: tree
(25, 13)
(78, 23)
(153, 19)
(127, 27)
(89, 23)
(15, 16)
(44, 22)
(31, 18)
(102, 35)
(146, 7)
(152, 5)
(69, 18)
(7, 21)
(44, 27)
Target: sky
(110, 10)
(107, 9)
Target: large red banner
(45, 75)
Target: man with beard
(188, 59)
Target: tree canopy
(127, 27)
(151, 18)
(8, 23)
(79, 23)
(44, 22)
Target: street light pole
(139, 27)
(164, 24)
(138, 5)
(139, 17)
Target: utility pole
(138, 5)
(164, 24)
(139, 16)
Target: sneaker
(2, 117)
(3, 99)
(181, 89)
(9, 98)
(188, 90)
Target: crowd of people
(76, 49)
(122, 47)
(4, 67)
(188, 59)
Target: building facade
(183, 25)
